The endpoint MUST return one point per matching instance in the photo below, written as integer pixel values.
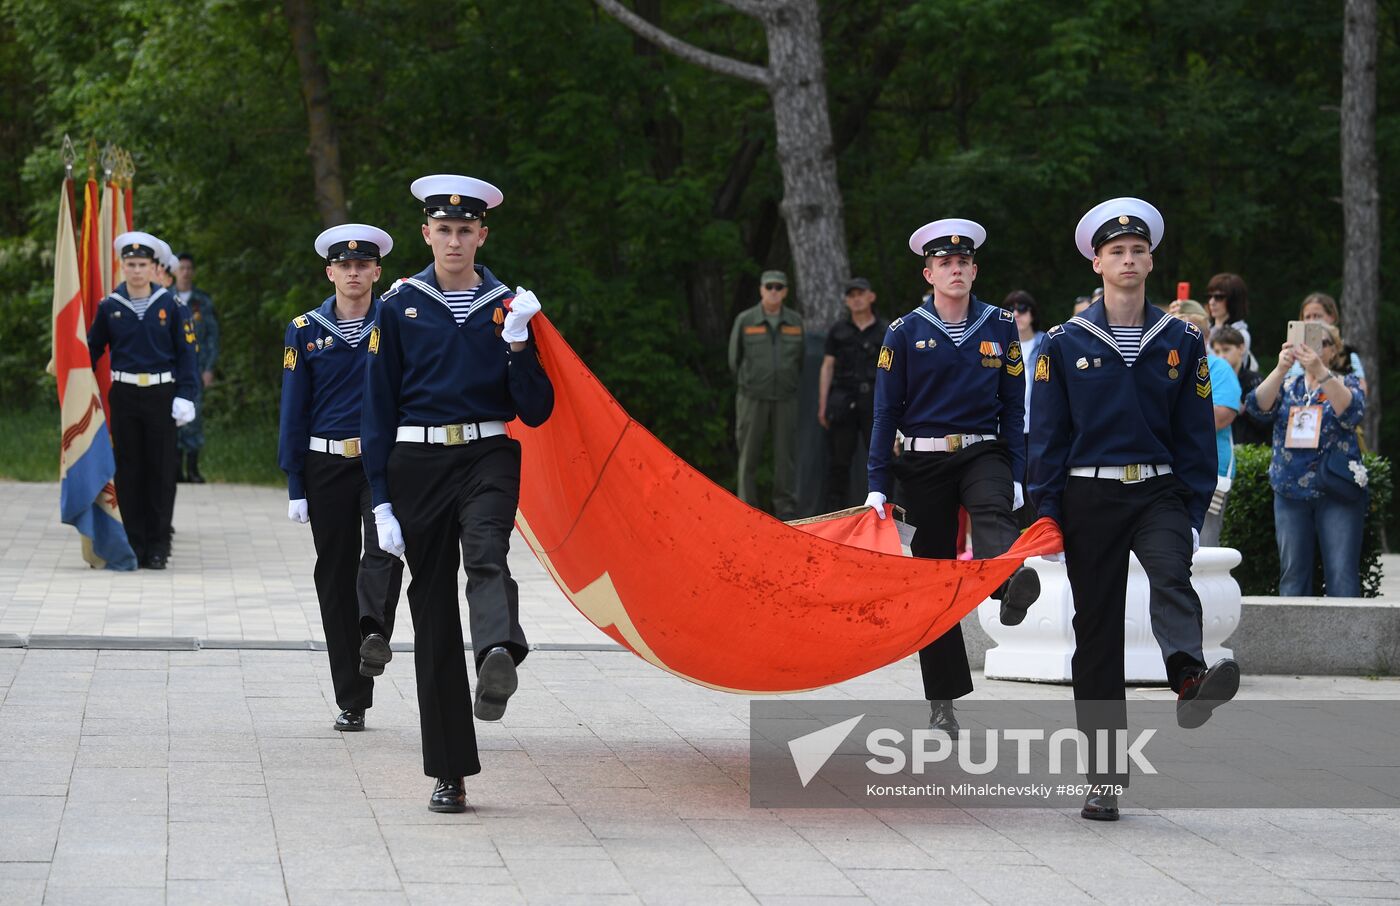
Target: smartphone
(1307, 333)
(1183, 291)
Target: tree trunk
(324, 142)
(811, 194)
(1361, 201)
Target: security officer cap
(137, 244)
(950, 236)
(1118, 217)
(353, 241)
(449, 197)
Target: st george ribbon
(698, 583)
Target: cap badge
(955, 239)
(410, 312)
(352, 245)
(455, 199)
(1123, 219)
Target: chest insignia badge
(410, 312)
(1081, 363)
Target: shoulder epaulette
(894, 325)
(1056, 330)
(1007, 316)
(300, 321)
(393, 289)
(1192, 329)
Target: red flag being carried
(91, 274)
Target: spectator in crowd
(1319, 482)
(846, 390)
(1322, 307)
(765, 356)
(1225, 395)
(1081, 303)
(1228, 344)
(1227, 301)
(1022, 305)
(200, 307)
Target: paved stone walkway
(213, 776)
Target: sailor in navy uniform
(951, 379)
(451, 361)
(323, 379)
(153, 385)
(1122, 456)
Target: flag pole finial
(69, 155)
(92, 159)
(111, 158)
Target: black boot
(194, 476)
(942, 717)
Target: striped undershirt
(350, 327)
(459, 301)
(955, 329)
(140, 305)
(1129, 340)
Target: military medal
(1173, 360)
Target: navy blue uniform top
(323, 383)
(427, 371)
(160, 340)
(928, 386)
(1089, 408)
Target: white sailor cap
(1118, 217)
(449, 197)
(950, 236)
(353, 240)
(165, 255)
(137, 244)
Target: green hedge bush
(1249, 524)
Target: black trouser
(931, 488)
(847, 429)
(1102, 521)
(446, 496)
(143, 445)
(349, 585)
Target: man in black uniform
(1123, 458)
(153, 387)
(951, 379)
(323, 366)
(846, 392)
(451, 361)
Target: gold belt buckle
(456, 435)
(1132, 473)
(954, 442)
(143, 380)
(350, 448)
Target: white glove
(296, 511)
(1195, 541)
(182, 410)
(1018, 495)
(522, 308)
(390, 535)
(876, 501)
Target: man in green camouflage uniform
(765, 355)
(190, 438)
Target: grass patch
(238, 451)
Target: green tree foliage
(631, 205)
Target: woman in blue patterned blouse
(1316, 454)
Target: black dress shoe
(374, 654)
(1204, 691)
(1100, 807)
(496, 682)
(448, 796)
(1019, 593)
(350, 721)
(942, 717)
(155, 561)
(193, 475)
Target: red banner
(698, 583)
(91, 272)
